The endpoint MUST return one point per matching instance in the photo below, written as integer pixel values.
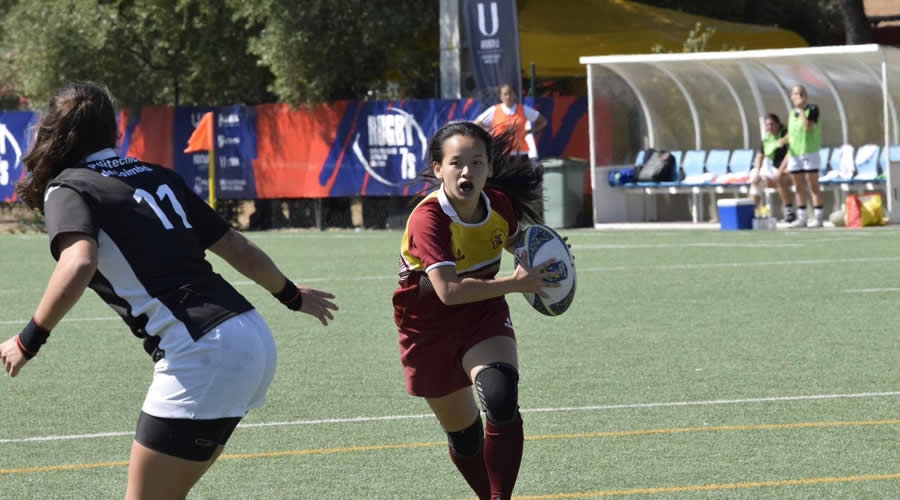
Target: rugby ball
(539, 244)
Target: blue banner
(382, 146)
(347, 148)
(14, 144)
(235, 151)
(193, 167)
(492, 29)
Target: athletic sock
(475, 473)
(502, 455)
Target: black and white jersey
(152, 232)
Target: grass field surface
(692, 364)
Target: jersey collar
(509, 109)
(448, 209)
(103, 154)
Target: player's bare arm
(453, 290)
(249, 260)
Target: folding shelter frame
(708, 100)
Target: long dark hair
(516, 179)
(81, 120)
(774, 118)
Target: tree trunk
(856, 25)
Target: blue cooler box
(736, 213)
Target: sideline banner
(346, 148)
(492, 30)
(14, 144)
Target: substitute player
(453, 320)
(767, 169)
(804, 164)
(136, 235)
(509, 115)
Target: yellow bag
(865, 210)
(872, 209)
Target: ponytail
(80, 120)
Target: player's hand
(533, 279)
(317, 303)
(12, 357)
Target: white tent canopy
(717, 100)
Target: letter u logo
(495, 20)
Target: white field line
(661, 267)
(871, 290)
(326, 421)
(24, 322)
(794, 243)
(762, 263)
(626, 246)
(262, 235)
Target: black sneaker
(790, 217)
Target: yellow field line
(51, 468)
(712, 487)
(405, 446)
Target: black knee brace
(498, 389)
(467, 442)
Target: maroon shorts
(432, 353)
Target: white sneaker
(816, 223)
(798, 224)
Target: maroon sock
(473, 470)
(502, 455)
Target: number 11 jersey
(152, 233)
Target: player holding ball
(453, 320)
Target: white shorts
(224, 374)
(810, 162)
(759, 179)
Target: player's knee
(498, 389)
(469, 441)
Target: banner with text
(15, 136)
(492, 29)
(347, 148)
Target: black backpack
(659, 167)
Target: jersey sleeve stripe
(440, 264)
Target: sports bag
(659, 167)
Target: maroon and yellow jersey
(435, 236)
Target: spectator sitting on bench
(768, 168)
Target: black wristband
(31, 339)
(290, 296)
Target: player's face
(507, 96)
(464, 170)
(771, 127)
(798, 96)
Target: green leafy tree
(322, 50)
(8, 84)
(213, 52)
(147, 51)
